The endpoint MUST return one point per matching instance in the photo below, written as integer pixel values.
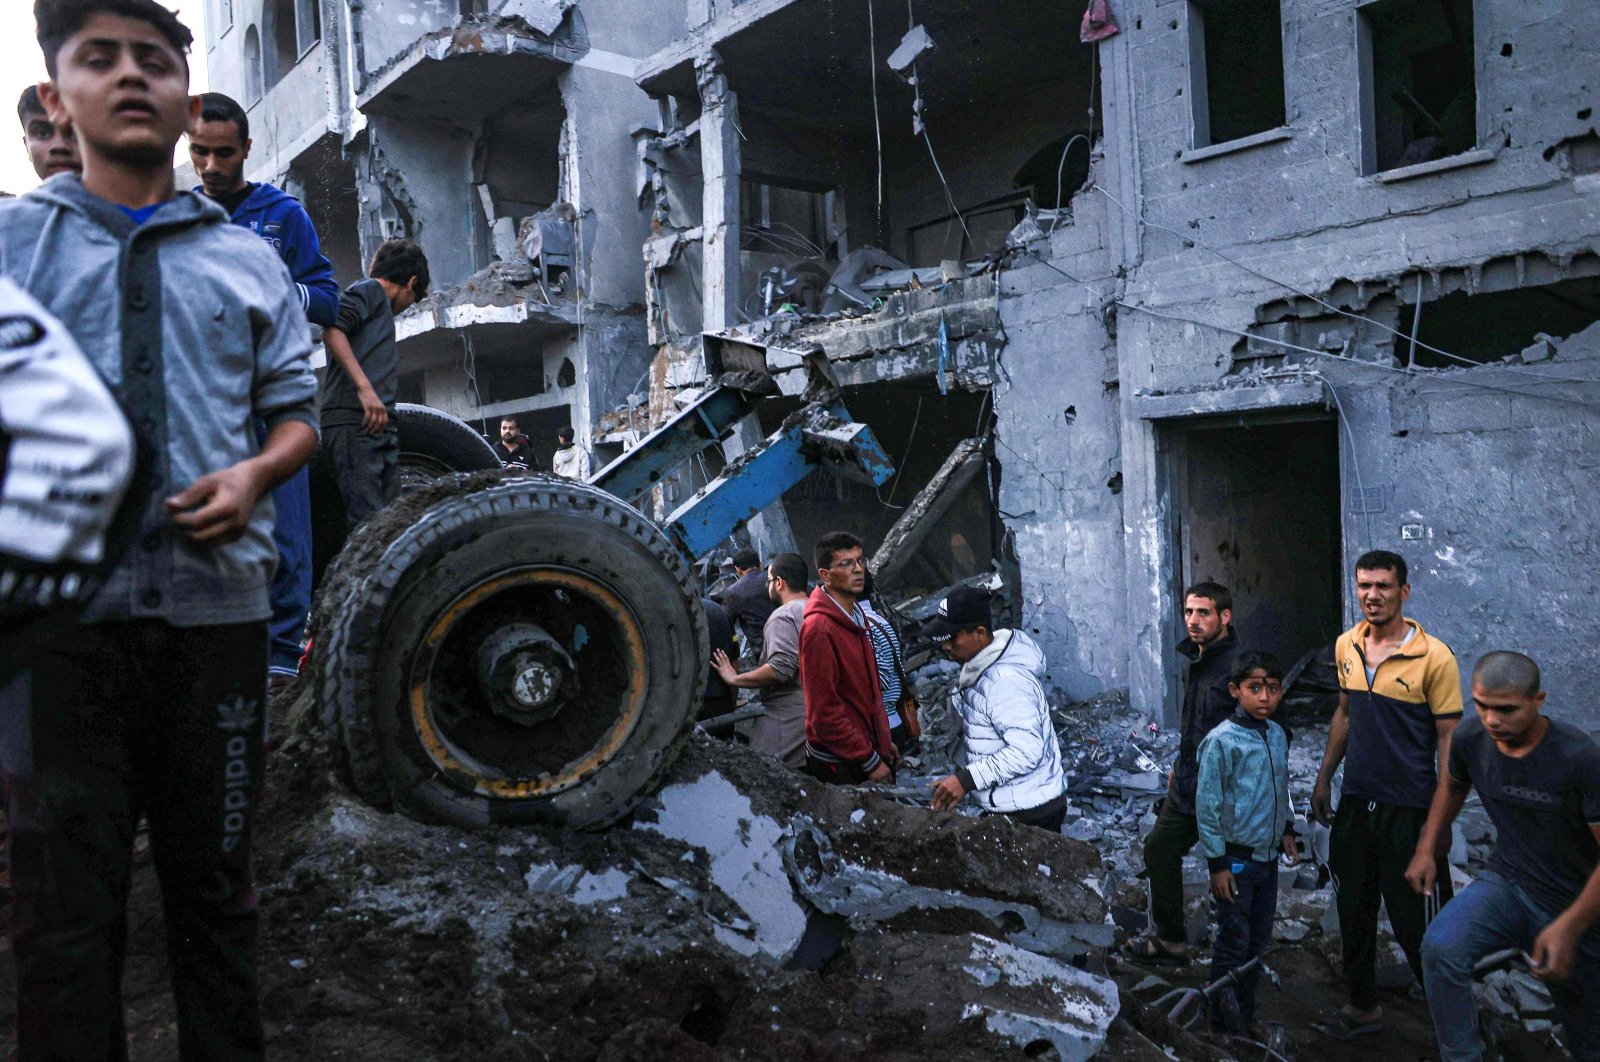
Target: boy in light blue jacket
(1242, 806)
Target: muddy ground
(388, 939)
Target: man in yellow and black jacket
(1399, 702)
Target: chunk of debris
(912, 46)
(1024, 997)
(711, 814)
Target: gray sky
(20, 58)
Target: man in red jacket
(847, 732)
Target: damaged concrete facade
(1337, 295)
(497, 134)
(1205, 297)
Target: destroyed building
(1241, 290)
(1228, 289)
(497, 134)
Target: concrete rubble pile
(742, 911)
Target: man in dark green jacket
(1211, 649)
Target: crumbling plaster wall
(1057, 412)
(421, 172)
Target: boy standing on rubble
(1539, 780)
(1242, 809)
(155, 704)
(1012, 752)
(359, 391)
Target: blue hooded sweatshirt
(277, 217)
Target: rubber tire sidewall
(445, 438)
(568, 525)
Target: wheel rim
(418, 470)
(527, 682)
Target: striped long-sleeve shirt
(886, 647)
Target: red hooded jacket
(845, 719)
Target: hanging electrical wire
(1418, 374)
(877, 123)
(1341, 311)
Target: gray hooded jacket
(197, 328)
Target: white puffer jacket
(1013, 754)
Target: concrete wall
(1057, 415)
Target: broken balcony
(460, 73)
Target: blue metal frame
(819, 435)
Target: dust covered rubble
(742, 912)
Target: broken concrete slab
(930, 505)
(1026, 998)
(709, 813)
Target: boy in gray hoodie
(1242, 806)
(154, 704)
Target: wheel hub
(526, 675)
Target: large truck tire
(432, 444)
(509, 650)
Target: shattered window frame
(1200, 81)
(1370, 33)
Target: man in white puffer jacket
(1013, 756)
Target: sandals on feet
(1153, 951)
(1341, 1026)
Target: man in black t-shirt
(1539, 780)
(513, 449)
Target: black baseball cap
(963, 608)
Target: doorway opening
(1255, 506)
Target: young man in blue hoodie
(154, 704)
(219, 145)
(1242, 807)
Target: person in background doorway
(571, 460)
(1539, 780)
(51, 148)
(1013, 757)
(513, 448)
(847, 732)
(358, 392)
(781, 732)
(899, 702)
(219, 145)
(748, 602)
(1211, 649)
(1242, 807)
(1399, 703)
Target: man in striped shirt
(899, 700)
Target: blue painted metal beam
(819, 436)
(752, 483)
(697, 428)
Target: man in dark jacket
(219, 144)
(847, 731)
(514, 449)
(1210, 648)
(747, 602)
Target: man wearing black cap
(1012, 752)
